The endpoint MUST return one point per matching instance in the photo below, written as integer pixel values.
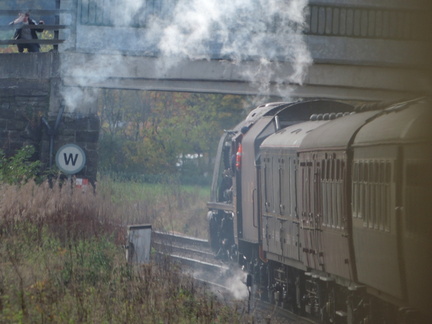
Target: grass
(62, 258)
(168, 207)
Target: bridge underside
(325, 80)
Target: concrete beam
(343, 81)
(244, 88)
(323, 79)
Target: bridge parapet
(376, 30)
(57, 28)
(92, 26)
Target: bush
(20, 167)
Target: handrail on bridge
(56, 27)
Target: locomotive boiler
(327, 205)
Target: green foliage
(89, 261)
(19, 168)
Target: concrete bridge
(340, 49)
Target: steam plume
(267, 32)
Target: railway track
(175, 244)
(225, 280)
(194, 255)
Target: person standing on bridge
(24, 32)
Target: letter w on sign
(70, 158)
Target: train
(326, 205)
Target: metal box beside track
(138, 244)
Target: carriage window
(265, 185)
(365, 172)
(355, 190)
(338, 170)
(384, 192)
(377, 172)
(323, 170)
(328, 167)
(371, 172)
(382, 172)
(374, 201)
(388, 172)
(371, 193)
(362, 190)
(293, 192)
(332, 170)
(356, 172)
(281, 189)
(305, 202)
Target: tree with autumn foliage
(153, 133)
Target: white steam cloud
(265, 32)
(232, 280)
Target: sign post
(70, 159)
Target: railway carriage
(392, 194)
(324, 201)
(324, 205)
(278, 167)
(332, 217)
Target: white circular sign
(70, 158)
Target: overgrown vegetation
(62, 258)
(167, 206)
(20, 167)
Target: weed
(62, 260)
(167, 206)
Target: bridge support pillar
(35, 110)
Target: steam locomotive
(327, 206)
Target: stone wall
(25, 103)
(22, 104)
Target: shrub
(20, 167)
